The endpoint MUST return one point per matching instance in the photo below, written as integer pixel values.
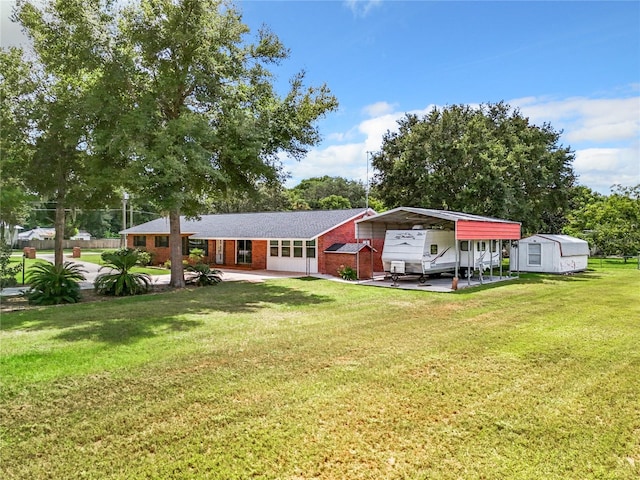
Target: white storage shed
(544, 253)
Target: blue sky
(573, 64)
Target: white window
(534, 254)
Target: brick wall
(345, 233)
(259, 254)
(334, 261)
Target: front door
(219, 252)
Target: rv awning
(465, 225)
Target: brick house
(309, 241)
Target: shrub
(145, 258)
(204, 275)
(7, 273)
(347, 273)
(51, 284)
(196, 255)
(122, 281)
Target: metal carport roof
(465, 225)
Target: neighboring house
(299, 241)
(37, 233)
(81, 235)
(10, 233)
(544, 253)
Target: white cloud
(361, 8)
(586, 119)
(604, 133)
(378, 108)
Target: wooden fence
(69, 244)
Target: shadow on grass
(124, 320)
(534, 278)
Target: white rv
(427, 252)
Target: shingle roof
(298, 224)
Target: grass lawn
(96, 258)
(91, 256)
(298, 379)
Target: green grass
(97, 259)
(298, 379)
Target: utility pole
(123, 237)
(367, 185)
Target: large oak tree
(488, 160)
(197, 112)
(48, 101)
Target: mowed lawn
(311, 379)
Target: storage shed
(545, 253)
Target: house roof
(466, 225)
(264, 225)
(351, 248)
(569, 246)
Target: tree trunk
(59, 227)
(175, 254)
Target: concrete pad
(442, 284)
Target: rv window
(434, 249)
(464, 245)
(494, 247)
(481, 246)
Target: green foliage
(487, 161)
(334, 202)
(611, 224)
(196, 103)
(122, 282)
(196, 255)
(145, 258)
(330, 192)
(7, 273)
(203, 275)
(54, 284)
(347, 273)
(53, 88)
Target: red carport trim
(476, 230)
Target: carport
(474, 229)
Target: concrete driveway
(92, 270)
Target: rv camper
(432, 252)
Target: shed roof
(351, 248)
(466, 225)
(263, 225)
(569, 246)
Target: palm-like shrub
(51, 284)
(120, 281)
(203, 275)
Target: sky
(574, 65)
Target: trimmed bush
(120, 281)
(51, 284)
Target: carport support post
(489, 248)
(470, 256)
(457, 268)
(499, 244)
